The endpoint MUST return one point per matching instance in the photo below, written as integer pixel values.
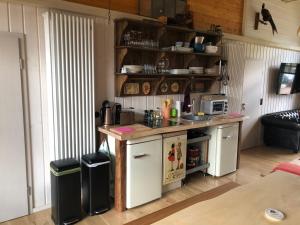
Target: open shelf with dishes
(148, 63)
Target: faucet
(192, 106)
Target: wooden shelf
(156, 50)
(156, 75)
(156, 24)
(199, 139)
(203, 166)
(166, 35)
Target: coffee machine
(110, 113)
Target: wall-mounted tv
(288, 79)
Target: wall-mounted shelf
(166, 36)
(155, 50)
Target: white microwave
(214, 106)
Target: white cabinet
(144, 170)
(223, 147)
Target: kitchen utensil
(126, 117)
(178, 108)
(199, 39)
(166, 108)
(132, 88)
(199, 47)
(179, 71)
(111, 108)
(211, 49)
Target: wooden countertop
(140, 130)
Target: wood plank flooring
(255, 163)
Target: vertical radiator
(69, 41)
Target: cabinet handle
(140, 156)
(226, 137)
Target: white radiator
(69, 40)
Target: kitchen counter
(139, 130)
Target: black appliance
(95, 183)
(65, 191)
(110, 113)
(296, 85)
(288, 79)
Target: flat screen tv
(288, 79)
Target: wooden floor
(255, 163)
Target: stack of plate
(196, 70)
(212, 70)
(132, 69)
(179, 71)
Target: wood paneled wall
(227, 13)
(128, 6)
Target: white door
(227, 146)
(251, 103)
(143, 172)
(13, 187)
(174, 158)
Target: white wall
(26, 18)
(285, 15)
(237, 52)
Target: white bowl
(211, 49)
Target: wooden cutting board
(129, 129)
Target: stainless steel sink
(196, 118)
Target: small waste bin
(95, 183)
(65, 191)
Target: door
(227, 146)
(143, 172)
(13, 188)
(174, 158)
(251, 103)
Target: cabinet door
(227, 145)
(158, 8)
(174, 158)
(144, 172)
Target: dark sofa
(282, 129)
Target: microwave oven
(214, 104)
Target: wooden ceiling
(228, 13)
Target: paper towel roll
(178, 108)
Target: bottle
(174, 112)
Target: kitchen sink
(196, 118)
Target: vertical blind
(69, 40)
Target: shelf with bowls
(155, 50)
(141, 43)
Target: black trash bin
(95, 183)
(65, 191)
